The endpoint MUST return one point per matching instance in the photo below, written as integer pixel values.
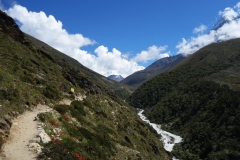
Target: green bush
(51, 93)
(9, 94)
(56, 151)
(78, 108)
(77, 105)
(45, 116)
(62, 108)
(27, 79)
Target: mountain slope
(199, 99)
(33, 73)
(160, 66)
(60, 58)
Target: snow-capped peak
(116, 77)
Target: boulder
(44, 137)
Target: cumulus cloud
(48, 29)
(228, 27)
(116, 61)
(200, 29)
(152, 53)
(228, 14)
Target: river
(168, 139)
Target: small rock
(35, 147)
(57, 131)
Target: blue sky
(120, 37)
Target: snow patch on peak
(116, 77)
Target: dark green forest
(195, 101)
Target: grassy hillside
(101, 126)
(200, 100)
(61, 59)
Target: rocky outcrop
(8, 26)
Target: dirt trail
(23, 130)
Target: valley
(182, 107)
(89, 126)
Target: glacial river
(168, 139)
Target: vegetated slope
(100, 127)
(200, 100)
(160, 66)
(62, 58)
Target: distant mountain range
(160, 66)
(117, 78)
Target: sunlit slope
(102, 126)
(199, 98)
(62, 58)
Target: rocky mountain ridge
(160, 66)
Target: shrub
(10, 94)
(51, 92)
(66, 117)
(78, 156)
(78, 106)
(87, 103)
(53, 150)
(45, 116)
(27, 79)
(53, 122)
(62, 108)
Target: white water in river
(168, 139)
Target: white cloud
(153, 53)
(50, 30)
(116, 61)
(229, 30)
(228, 14)
(47, 28)
(200, 29)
